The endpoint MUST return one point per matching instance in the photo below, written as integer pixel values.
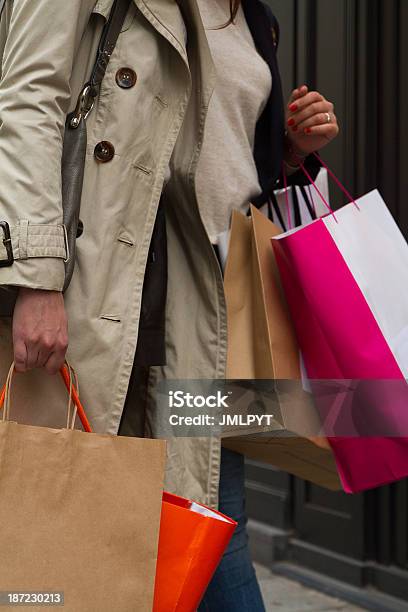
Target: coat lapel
(166, 18)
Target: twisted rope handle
(67, 373)
(71, 419)
(285, 185)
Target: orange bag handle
(67, 380)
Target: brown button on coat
(126, 78)
(48, 49)
(104, 151)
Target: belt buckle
(4, 263)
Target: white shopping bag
(304, 206)
(345, 278)
(300, 205)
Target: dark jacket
(268, 155)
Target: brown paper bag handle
(67, 373)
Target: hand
(307, 121)
(40, 330)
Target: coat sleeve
(38, 53)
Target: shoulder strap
(109, 37)
(107, 43)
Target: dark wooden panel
(365, 151)
(388, 129)
(329, 520)
(285, 11)
(400, 526)
(355, 52)
(402, 116)
(269, 495)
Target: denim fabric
(234, 586)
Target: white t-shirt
(227, 177)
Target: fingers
(306, 117)
(298, 93)
(37, 351)
(40, 331)
(310, 111)
(329, 130)
(51, 354)
(20, 355)
(318, 119)
(33, 350)
(302, 102)
(55, 362)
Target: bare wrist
(292, 156)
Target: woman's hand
(40, 330)
(311, 121)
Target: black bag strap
(107, 43)
(110, 35)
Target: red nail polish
(293, 108)
(291, 122)
(308, 131)
(295, 128)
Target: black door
(356, 53)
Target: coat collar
(166, 18)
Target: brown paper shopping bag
(261, 339)
(262, 345)
(79, 513)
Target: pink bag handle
(286, 189)
(336, 180)
(325, 202)
(312, 182)
(285, 185)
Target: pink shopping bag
(345, 277)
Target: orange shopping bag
(192, 541)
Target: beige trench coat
(47, 54)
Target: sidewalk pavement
(284, 595)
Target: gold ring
(329, 119)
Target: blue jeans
(234, 586)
